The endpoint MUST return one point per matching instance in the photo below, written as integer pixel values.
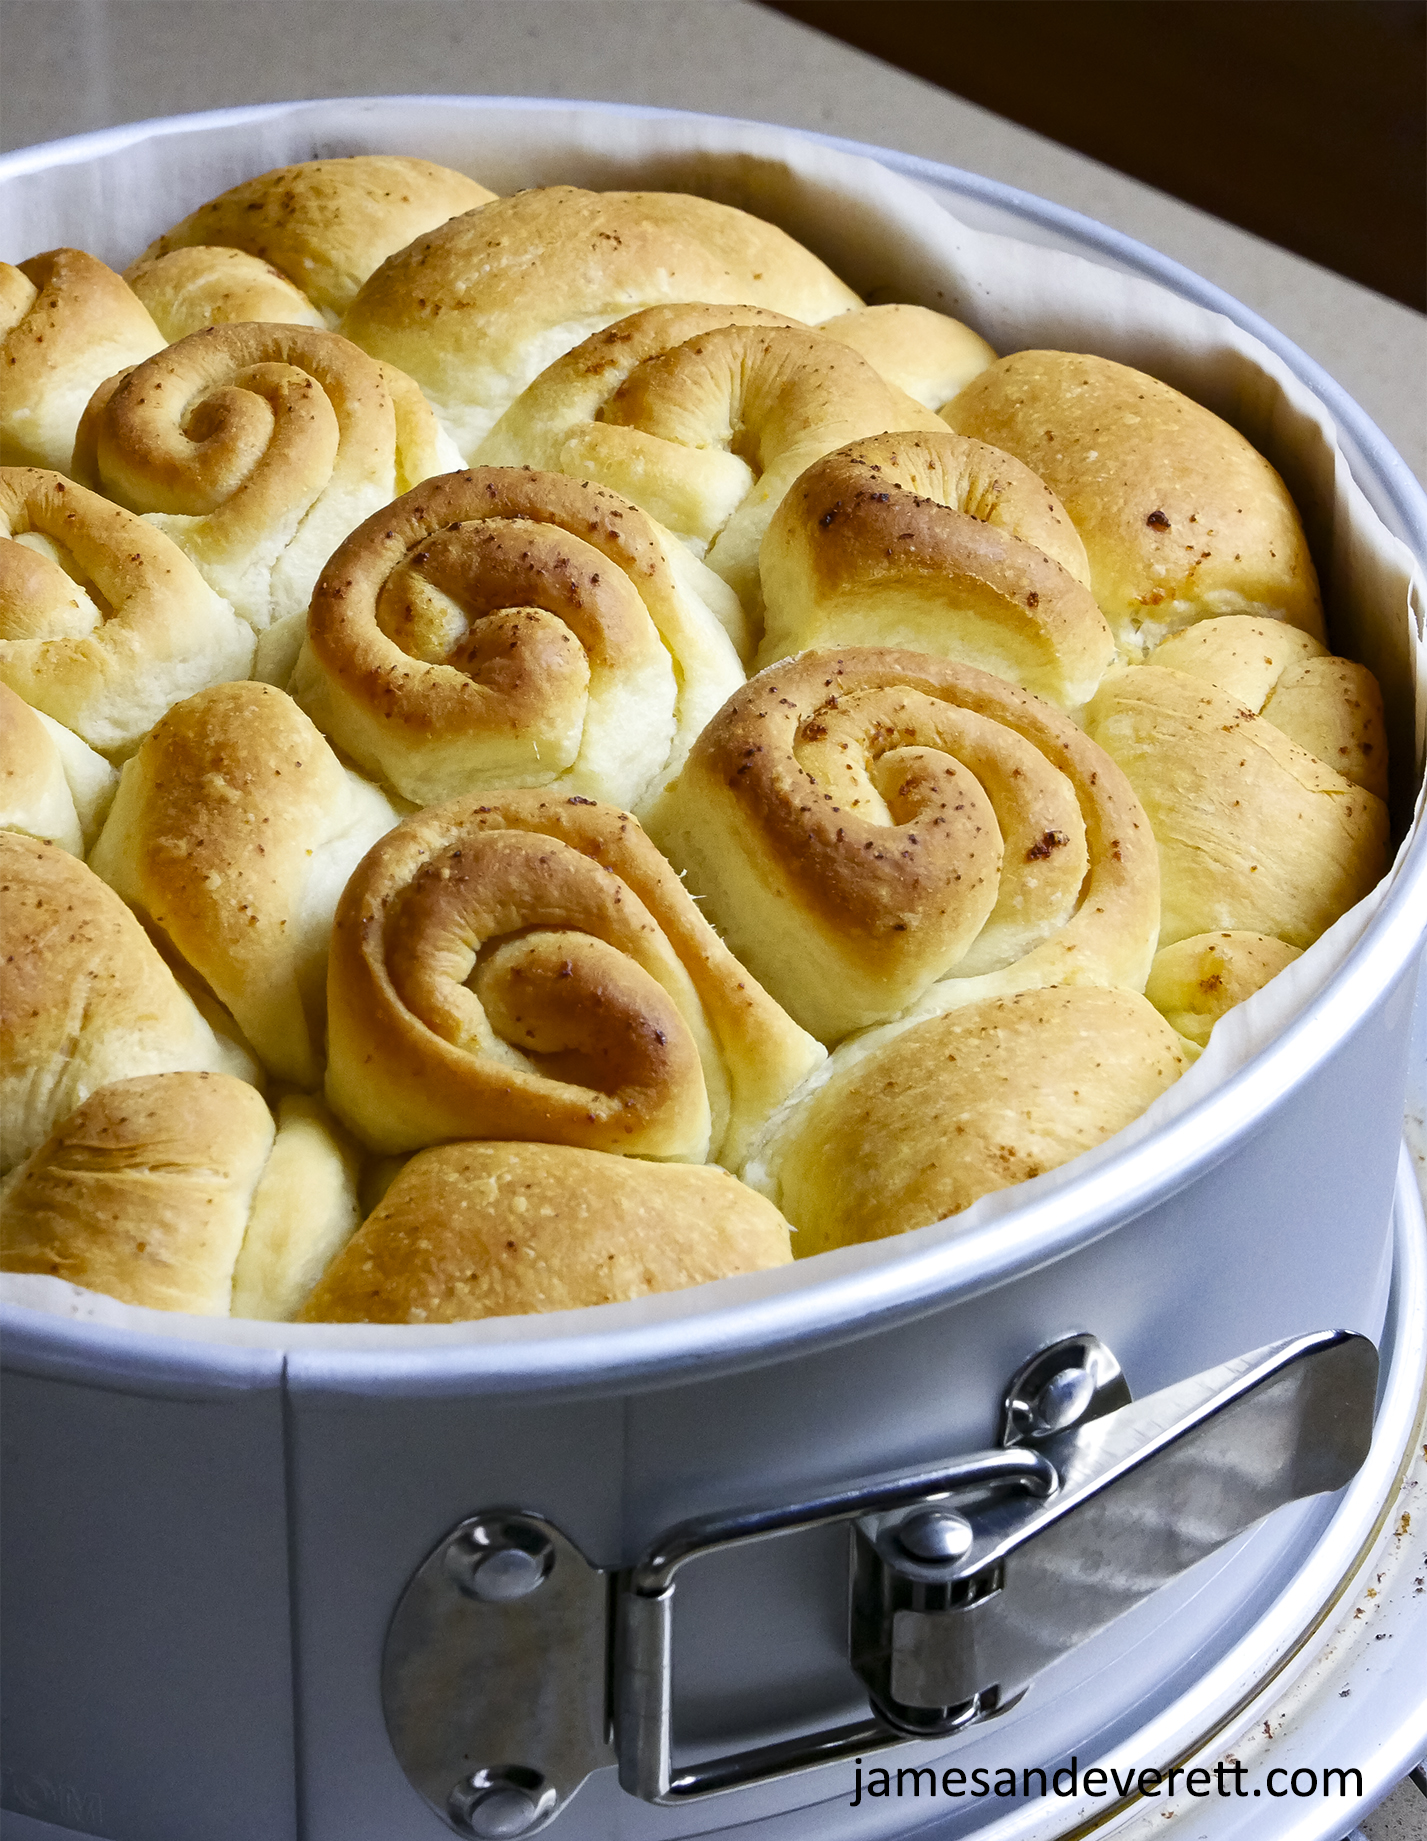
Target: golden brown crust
(257, 448)
(85, 998)
(939, 544)
(1182, 519)
(867, 824)
(233, 831)
(477, 309)
(188, 289)
(327, 224)
(51, 785)
(496, 1230)
(960, 1105)
(68, 323)
(143, 1192)
(504, 627)
(1330, 706)
(1255, 834)
(927, 354)
(104, 622)
(727, 420)
(1196, 981)
(530, 967)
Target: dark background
(1304, 121)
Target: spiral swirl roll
(504, 627)
(104, 622)
(939, 544)
(257, 448)
(476, 309)
(873, 829)
(532, 968)
(67, 322)
(705, 423)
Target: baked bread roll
(504, 628)
(871, 829)
(1257, 831)
(234, 829)
(927, 354)
(104, 622)
(912, 1125)
(704, 424)
(85, 1000)
(51, 785)
(327, 224)
(1196, 981)
(257, 448)
(171, 1191)
(1330, 706)
(67, 322)
(477, 309)
(502, 1230)
(1182, 519)
(530, 967)
(939, 544)
(189, 289)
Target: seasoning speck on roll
(1182, 518)
(529, 966)
(501, 1230)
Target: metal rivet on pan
(1063, 1399)
(506, 1801)
(936, 1534)
(499, 1560)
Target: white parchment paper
(891, 240)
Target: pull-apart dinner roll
(909, 1125)
(477, 309)
(51, 785)
(871, 829)
(85, 997)
(531, 967)
(503, 628)
(234, 829)
(1182, 519)
(927, 354)
(939, 544)
(327, 224)
(502, 1230)
(1196, 981)
(104, 622)
(67, 323)
(1259, 792)
(257, 448)
(703, 423)
(172, 1191)
(189, 289)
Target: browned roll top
(532, 968)
(257, 447)
(940, 544)
(505, 627)
(867, 823)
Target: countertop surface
(77, 64)
(72, 65)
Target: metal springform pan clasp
(504, 1688)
